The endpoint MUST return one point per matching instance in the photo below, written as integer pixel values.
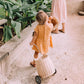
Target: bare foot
(61, 30)
(33, 63)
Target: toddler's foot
(33, 63)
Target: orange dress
(44, 39)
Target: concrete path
(67, 56)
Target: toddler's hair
(41, 17)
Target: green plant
(2, 12)
(21, 13)
(7, 5)
(45, 5)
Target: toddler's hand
(31, 43)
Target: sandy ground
(67, 56)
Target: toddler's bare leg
(35, 56)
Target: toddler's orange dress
(44, 39)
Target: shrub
(20, 14)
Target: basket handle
(44, 55)
(37, 48)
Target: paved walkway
(67, 56)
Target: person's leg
(55, 12)
(63, 15)
(63, 28)
(35, 57)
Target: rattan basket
(45, 67)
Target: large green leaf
(17, 27)
(2, 12)
(21, 13)
(7, 33)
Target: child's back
(42, 35)
(43, 40)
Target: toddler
(42, 36)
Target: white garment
(59, 10)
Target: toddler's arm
(34, 38)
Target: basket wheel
(38, 79)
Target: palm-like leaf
(21, 13)
(17, 27)
(7, 33)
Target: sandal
(33, 64)
(61, 31)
